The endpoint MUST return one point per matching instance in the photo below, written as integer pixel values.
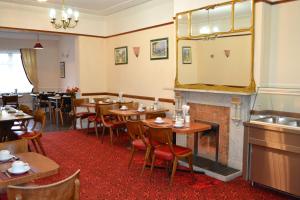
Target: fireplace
(207, 142)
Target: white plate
(25, 169)
(159, 122)
(123, 108)
(7, 158)
(178, 126)
(141, 110)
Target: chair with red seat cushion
(110, 121)
(34, 135)
(76, 104)
(136, 132)
(96, 119)
(167, 150)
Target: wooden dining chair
(97, 99)
(67, 189)
(139, 141)
(110, 121)
(95, 119)
(36, 131)
(15, 146)
(76, 105)
(11, 100)
(21, 125)
(167, 150)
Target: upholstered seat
(164, 152)
(30, 135)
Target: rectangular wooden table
(188, 128)
(40, 165)
(7, 119)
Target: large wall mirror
(215, 47)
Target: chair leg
(111, 135)
(88, 126)
(61, 118)
(103, 132)
(147, 155)
(152, 164)
(190, 158)
(96, 128)
(131, 156)
(173, 170)
(80, 123)
(34, 145)
(38, 140)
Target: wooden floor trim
(165, 100)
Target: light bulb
(69, 12)
(76, 15)
(52, 13)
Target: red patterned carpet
(104, 173)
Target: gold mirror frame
(202, 86)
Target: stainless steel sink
(280, 120)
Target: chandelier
(69, 18)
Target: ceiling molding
(111, 9)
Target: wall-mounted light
(136, 51)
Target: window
(12, 74)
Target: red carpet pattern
(105, 174)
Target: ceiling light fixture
(38, 45)
(69, 18)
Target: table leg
(56, 112)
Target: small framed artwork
(186, 55)
(62, 70)
(121, 55)
(159, 49)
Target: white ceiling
(99, 7)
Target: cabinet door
(276, 168)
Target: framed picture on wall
(186, 55)
(62, 70)
(121, 55)
(159, 49)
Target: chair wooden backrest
(39, 118)
(76, 103)
(162, 136)
(10, 100)
(136, 130)
(16, 146)
(103, 99)
(25, 109)
(67, 189)
(154, 115)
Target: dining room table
(191, 128)
(8, 115)
(40, 167)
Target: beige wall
(284, 46)
(68, 53)
(92, 55)
(142, 76)
(47, 60)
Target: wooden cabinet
(272, 157)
